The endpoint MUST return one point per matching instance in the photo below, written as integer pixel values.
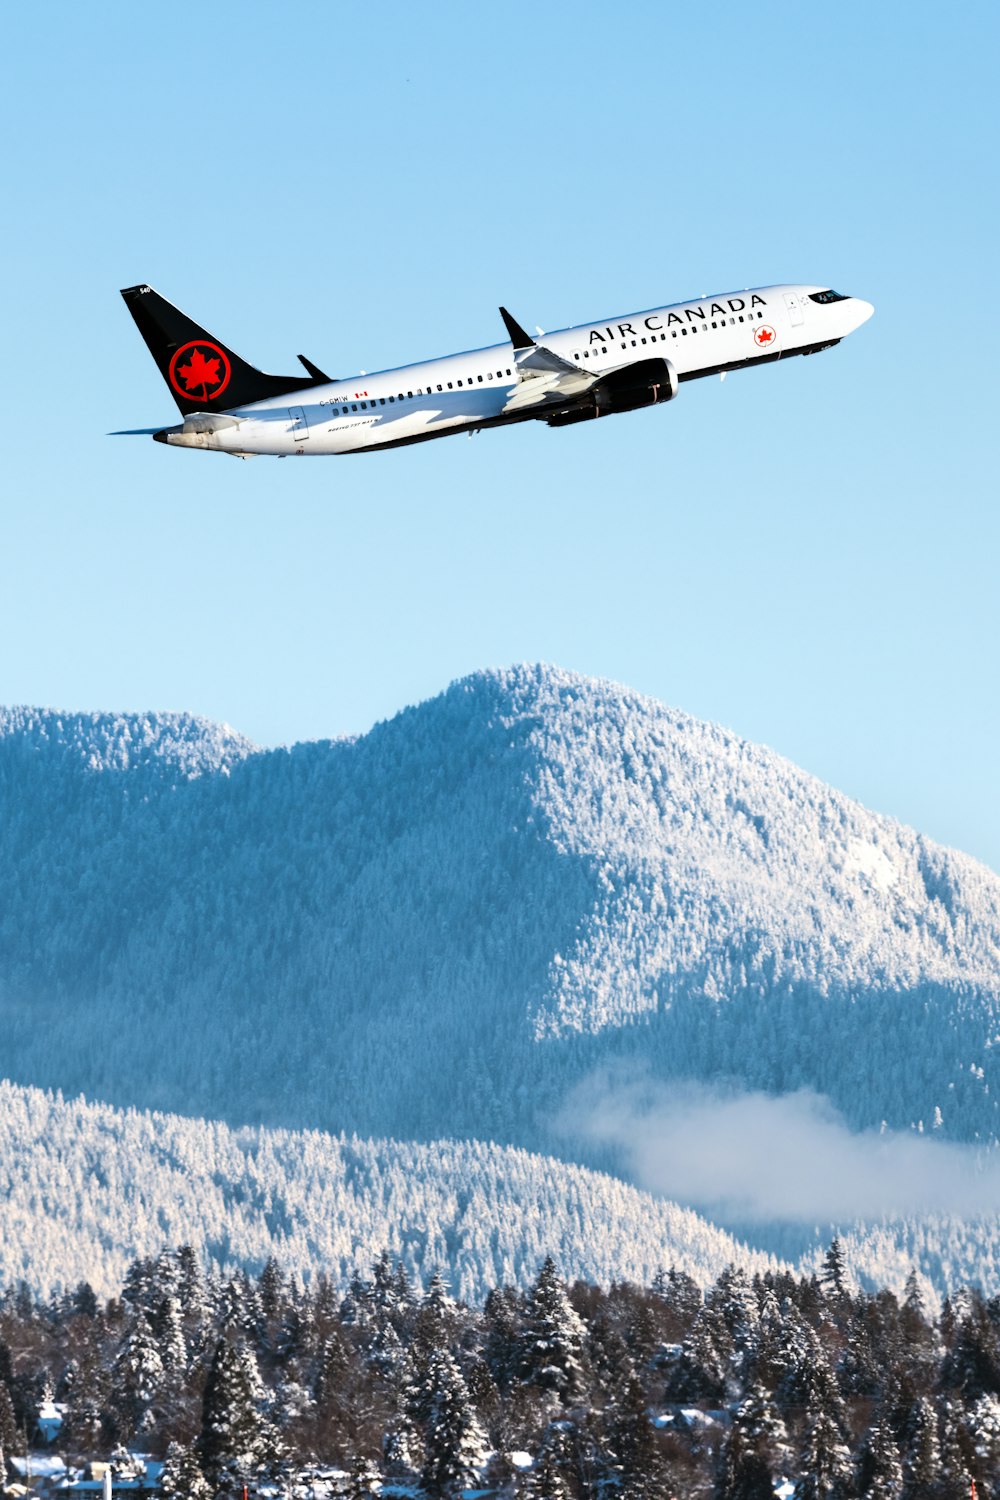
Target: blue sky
(807, 554)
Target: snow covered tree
(834, 1272)
(922, 1459)
(182, 1477)
(455, 1445)
(743, 1473)
(961, 1460)
(825, 1468)
(705, 1366)
(138, 1376)
(402, 1449)
(880, 1469)
(502, 1319)
(233, 1443)
(545, 1480)
(168, 1328)
(8, 1424)
(365, 1480)
(550, 1345)
(636, 1453)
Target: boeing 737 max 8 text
(572, 375)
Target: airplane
(573, 375)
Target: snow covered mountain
(441, 927)
(87, 1188)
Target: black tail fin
(203, 375)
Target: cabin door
(300, 427)
(794, 304)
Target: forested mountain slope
(85, 1188)
(437, 928)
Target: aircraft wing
(543, 376)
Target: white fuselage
(477, 389)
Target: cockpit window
(828, 297)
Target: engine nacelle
(647, 383)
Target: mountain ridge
(484, 898)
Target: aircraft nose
(864, 310)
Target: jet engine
(647, 383)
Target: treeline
(560, 1392)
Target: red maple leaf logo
(200, 371)
(764, 336)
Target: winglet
(518, 337)
(314, 370)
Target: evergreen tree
(501, 1319)
(169, 1330)
(402, 1449)
(834, 1273)
(743, 1473)
(232, 1446)
(961, 1460)
(552, 1473)
(454, 1443)
(545, 1480)
(705, 1366)
(191, 1289)
(922, 1463)
(825, 1468)
(634, 1445)
(182, 1477)
(880, 1470)
(8, 1425)
(138, 1376)
(551, 1342)
(365, 1480)
(271, 1290)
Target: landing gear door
(793, 302)
(300, 427)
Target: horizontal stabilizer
(136, 431)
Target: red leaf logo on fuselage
(199, 371)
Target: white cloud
(756, 1157)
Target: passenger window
(480, 379)
(644, 341)
(684, 331)
(450, 386)
(410, 394)
(345, 411)
(392, 398)
(354, 406)
(508, 372)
